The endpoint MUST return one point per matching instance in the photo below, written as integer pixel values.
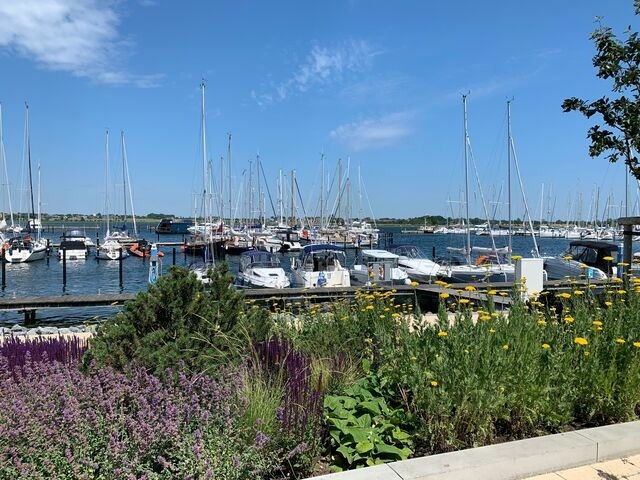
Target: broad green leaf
(346, 452)
(364, 447)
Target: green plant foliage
(364, 430)
(179, 320)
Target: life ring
(481, 260)
(305, 234)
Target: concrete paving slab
(618, 467)
(580, 473)
(503, 461)
(614, 441)
(377, 472)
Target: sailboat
(491, 264)
(111, 248)
(26, 248)
(201, 268)
(120, 233)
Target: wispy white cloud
(374, 133)
(322, 66)
(76, 36)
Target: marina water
(90, 276)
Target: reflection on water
(90, 276)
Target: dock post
(29, 317)
(627, 251)
(120, 268)
(64, 269)
(433, 253)
(4, 270)
(173, 254)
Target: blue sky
(375, 84)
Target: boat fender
(481, 260)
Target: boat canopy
(317, 247)
(379, 254)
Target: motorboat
(74, 245)
(143, 249)
(172, 225)
(584, 259)
(260, 269)
(320, 265)
(378, 267)
(413, 261)
(487, 265)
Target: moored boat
(378, 267)
(260, 269)
(320, 265)
(173, 225)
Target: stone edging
(512, 460)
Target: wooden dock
(424, 296)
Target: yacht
(413, 261)
(378, 267)
(260, 269)
(320, 265)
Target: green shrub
(179, 320)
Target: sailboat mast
(509, 175)
(229, 176)
(125, 170)
(4, 166)
(204, 157)
(124, 178)
(28, 140)
(106, 183)
(466, 178)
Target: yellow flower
(623, 264)
(621, 292)
(608, 304)
(470, 288)
(568, 257)
(515, 258)
(464, 300)
(440, 282)
(636, 344)
(578, 292)
(542, 322)
(608, 259)
(413, 359)
(434, 383)
(414, 284)
(616, 280)
(492, 331)
(369, 307)
(581, 341)
(619, 340)
(569, 319)
(484, 318)
(546, 346)
(444, 295)
(563, 295)
(505, 347)
(442, 333)
(492, 292)
(597, 323)
(503, 294)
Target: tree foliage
(178, 320)
(618, 60)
